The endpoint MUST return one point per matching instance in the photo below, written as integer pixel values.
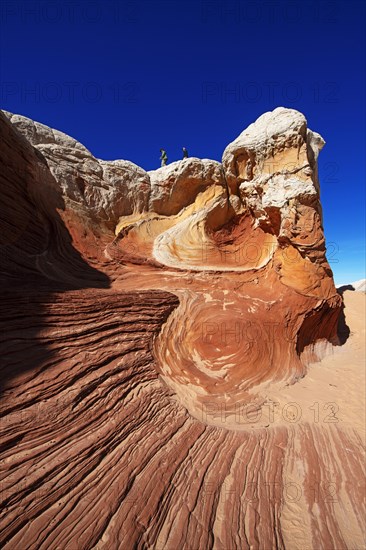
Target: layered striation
(155, 328)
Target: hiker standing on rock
(164, 157)
(185, 153)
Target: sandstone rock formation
(153, 324)
(105, 190)
(178, 184)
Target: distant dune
(360, 285)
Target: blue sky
(127, 78)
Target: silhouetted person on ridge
(185, 153)
(164, 157)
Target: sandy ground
(328, 405)
(333, 391)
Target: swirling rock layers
(156, 333)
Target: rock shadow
(37, 258)
(343, 330)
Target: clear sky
(126, 78)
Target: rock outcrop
(148, 317)
(105, 190)
(177, 185)
(272, 166)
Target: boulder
(177, 185)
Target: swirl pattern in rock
(157, 330)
